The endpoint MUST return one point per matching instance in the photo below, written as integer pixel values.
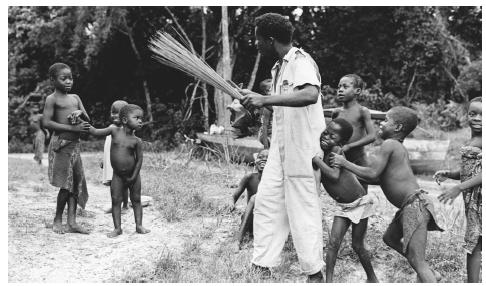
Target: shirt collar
(287, 57)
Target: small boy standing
(126, 159)
(65, 166)
(106, 164)
(40, 134)
(350, 86)
(392, 168)
(355, 205)
(265, 131)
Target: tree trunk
(225, 68)
(254, 72)
(205, 102)
(144, 81)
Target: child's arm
(101, 132)
(370, 131)
(442, 175)
(451, 194)
(326, 171)
(138, 162)
(49, 123)
(241, 188)
(375, 169)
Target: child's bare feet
(236, 247)
(114, 233)
(142, 230)
(124, 210)
(57, 227)
(76, 228)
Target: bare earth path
(36, 254)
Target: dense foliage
(410, 55)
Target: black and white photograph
(244, 144)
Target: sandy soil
(36, 254)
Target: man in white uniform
(287, 199)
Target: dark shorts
(416, 210)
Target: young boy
(126, 160)
(355, 205)
(250, 183)
(40, 134)
(106, 164)
(65, 166)
(350, 86)
(392, 168)
(265, 131)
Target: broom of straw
(170, 52)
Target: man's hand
(251, 99)
(441, 176)
(450, 195)
(336, 160)
(82, 127)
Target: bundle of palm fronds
(170, 52)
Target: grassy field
(195, 197)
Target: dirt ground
(36, 254)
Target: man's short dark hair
(55, 68)
(405, 116)
(346, 129)
(127, 109)
(276, 26)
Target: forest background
(428, 58)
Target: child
(126, 160)
(65, 166)
(265, 131)
(250, 183)
(355, 205)
(40, 134)
(471, 187)
(350, 86)
(392, 167)
(106, 164)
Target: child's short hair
(264, 83)
(346, 129)
(127, 109)
(55, 68)
(476, 99)
(117, 105)
(405, 116)
(276, 26)
(358, 81)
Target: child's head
(261, 159)
(474, 114)
(337, 133)
(349, 86)
(131, 116)
(265, 86)
(399, 120)
(115, 111)
(61, 77)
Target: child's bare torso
(252, 185)
(354, 116)
(122, 152)
(64, 105)
(346, 189)
(397, 180)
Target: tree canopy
(418, 54)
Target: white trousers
(287, 204)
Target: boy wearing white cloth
(355, 206)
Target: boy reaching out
(126, 159)
(392, 168)
(65, 166)
(343, 186)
